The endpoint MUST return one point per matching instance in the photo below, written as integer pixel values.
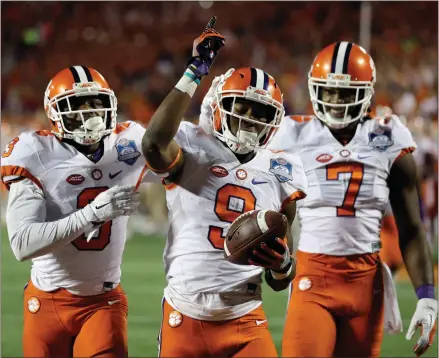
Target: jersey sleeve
(147, 176)
(392, 136)
(136, 131)
(187, 136)
(404, 141)
(286, 137)
(290, 173)
(29, 233)
(21, 160)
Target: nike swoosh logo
(112, 176)
(258, 323)
(113, 302)
(256, 182)
(100, 207)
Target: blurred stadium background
(141, 48)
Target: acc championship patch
(282, 169)
(380, 138)
(127, 151)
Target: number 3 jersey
(214, 189)
(348, 193)
(69, 181)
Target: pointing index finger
(211, 23)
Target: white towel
(392, 314)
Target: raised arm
(162, 153)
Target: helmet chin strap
(243, 144)
(94, 126)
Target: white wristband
(188, 83)
(281, 276)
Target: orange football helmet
(72, 83)
(342, 65)
(251, 84)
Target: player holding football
(71, 191)
(354, 165)
(213, 307)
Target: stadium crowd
(136, 45)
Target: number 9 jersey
(213, 190)
(348, 193)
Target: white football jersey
(215, 188)
(69, 181)
(347, 193)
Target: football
(249, 230)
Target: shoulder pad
(21, 157)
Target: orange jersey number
(99, 243)
(333, 172)
(10, 147)
(231, 201)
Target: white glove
(114, 202)
(425, 317)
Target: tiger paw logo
(305, 284)
(241, 174)
(175, 319)
(33, 305)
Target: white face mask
(91, 132)
(243, 144)
(248, 139)
(337, 123)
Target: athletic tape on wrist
(188, 83)
(281, 276)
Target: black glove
(205, 49)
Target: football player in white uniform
(214, 174)
(354, 165)
(71, 191)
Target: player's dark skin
(402, 183)
(161, 150)
(74, 121)
(255, 111)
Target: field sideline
(143, 279)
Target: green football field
(143, 280)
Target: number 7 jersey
(347, 193)
(214, 189)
